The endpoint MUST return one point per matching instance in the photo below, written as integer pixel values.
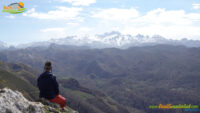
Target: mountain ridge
(113, 39)
(135, 77)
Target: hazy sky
(47, 19)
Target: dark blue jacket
(47, 85)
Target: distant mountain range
(112, 39)
(3, 45)
(134, 78)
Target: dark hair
(47, 66)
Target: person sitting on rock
(48, 86)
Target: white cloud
(194, 17)
(80, 2)
(117, 14)
(61, 32)
(165, 18)
(53, 33)
(10, 17)
(84, 30)
(61, 13)
(52, 29)
(173, 24)
(196, 6)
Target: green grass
(15, 82)
(21, 80)
(57, 110)
(80, 94)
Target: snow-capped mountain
(114, 39)
(3, 45)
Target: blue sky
(47, 19)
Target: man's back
(47, 85)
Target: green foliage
(87, 100)
(135, 78)
(15, 82)
(22, 78)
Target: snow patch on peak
(117, 40)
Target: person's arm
(56, 85)
(38, 85)
(38, 82)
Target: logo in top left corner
(14, 8)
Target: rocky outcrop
(15, 102)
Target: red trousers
(59, 100)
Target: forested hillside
(135, 78)
(24, 78)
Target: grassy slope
(12, 80)
(17, 80)
(23, 78)
(87, 100)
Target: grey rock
(14, 102)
